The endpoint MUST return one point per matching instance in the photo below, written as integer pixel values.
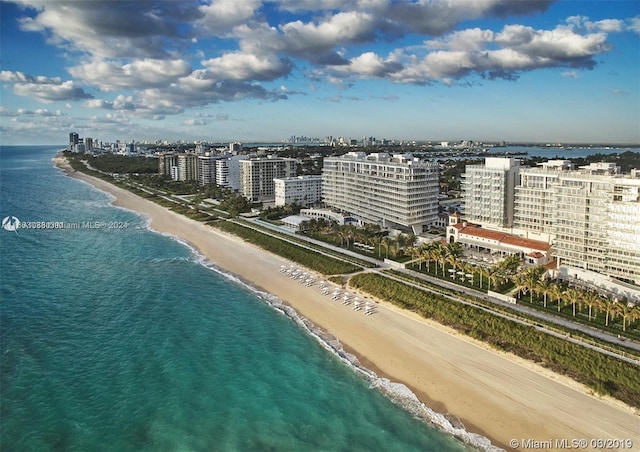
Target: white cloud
(195, 122)
(110, 75)
(43, 89)
(570, 74)
(246, 66)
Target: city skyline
(539, 71)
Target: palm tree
(416, 254)
(628, 312)
(442, 258)
(573, 297)
(591, 299)
(607, 305)
(544, 288)
(557, 292)
(519, 280)
(453, 251)
(468, 269)
(426, 254)
(493, 273)
(434, 255)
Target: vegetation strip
(619, 349)
(603, 374)
(309, 258)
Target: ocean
(123, 339)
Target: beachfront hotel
(303, 190)
(257, 176)
(396, 191)
(590, 215)
(488, 192)
(597, 225)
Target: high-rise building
(489, 191)
(596, 225)
(590, 215)
(207, 169)
(165, 164)
(303, 190)
(535, 205)
(257, 175)
(397, 191)
(228, 171)
(187, 167)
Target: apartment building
(257, 176)
(591, 215)
(596, 226)
(489, 191)
(187, 167)
(397, 191)
(228, 171)
(535, 205)
(207, 169)
(303, 190)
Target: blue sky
(258, 70)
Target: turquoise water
(121, 339)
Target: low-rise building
(302, 190)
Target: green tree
(544, 288)
(557, 293)
(591, 299)
(572, 297)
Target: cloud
(109, 75)
(43, 89)
(220, 16)
(570, 74)
(484, 53)
(161, 58)
(112, 29)
(246, 66)
(121, 102)
(195, 122)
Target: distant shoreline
(494, 394)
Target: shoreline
(494, 394)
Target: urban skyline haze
(257, 70)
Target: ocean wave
(398, 393)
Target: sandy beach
(494, 394)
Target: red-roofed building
(534, 252)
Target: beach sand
(494, 394)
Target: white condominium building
(535, 205)
(597, 225)
(228, 171)
(257, 175)
(390, 190)
(489, 190)
(303, 190)
(591, 215)
(207, 169)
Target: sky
(260, 71)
